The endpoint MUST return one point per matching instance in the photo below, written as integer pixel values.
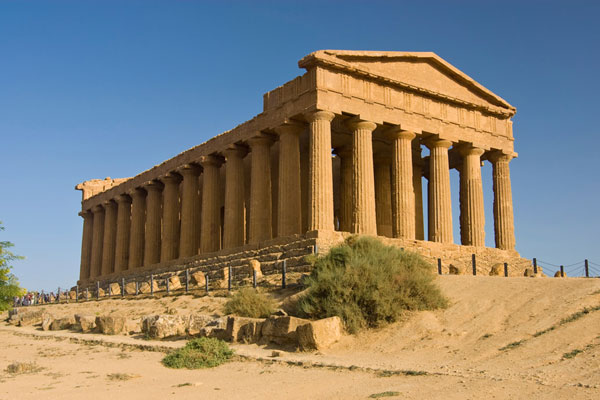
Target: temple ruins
(336, 151)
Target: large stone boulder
(162, 326)
(85, 322)
(255, 267)
(174, 283)
(62, 323)
(244, 330)
(198, 279)
(455, 269)
(497, 270)
(133, 326)
(281, 329)
(111, 324)
(100, 292)
(47, 320)
(72, 295)
(145, 287)
(115, 289)
(321, 334)
(130, 288)
(558, 274)
(216, 328)
(196, 324)
(29, 317)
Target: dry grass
(17, 368)
(117, 376)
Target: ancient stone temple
(337, 150)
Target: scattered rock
(111, 324)
(101, 292)
(528, 272)
(255, 266)
(145, 287)
(28, 317)
(174, 283)
(133, 326)
(244, 330)
(85, 322)
(558, 274)
(320, 334)
(497, 270)
(162, 326)
(130, 288)
(198, 279)
(115, 289)
(281, 330)
(196, 323)
(455, 269)
(73, 295)
(47, 320)
(62, 323)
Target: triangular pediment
(422, 71)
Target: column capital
(97, 209)
(470, 150)
(123, 198)
(211, 161)
(260, 140)
(357, 123)
(109, 203)
(153, 186)
(235, 150)
(136, 192)
(496, 156)
(290, 127)
(396, 132)
(170, 178)
(189, 170)
(437, 142)
(319, 115)
(85, 213)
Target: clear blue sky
(90, 89)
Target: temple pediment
(423, 72)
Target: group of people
(33, 298)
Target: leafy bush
(199, 353)
(248, 302)
(367, 283)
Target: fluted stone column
(289, 212)
(504, 227)
(123, 232)
(403, 195)
(363, 176)
(233, 225)
(383, 195)
(138, 220)
(261, 227)
(86, 244)
(320, 174)
(189, 240)
(440, 201)
(472, 190)
(210, 237)
(97, 241)
(169, 248)
(110, 237)
(345, 155)
(152, 237)
(418, 190)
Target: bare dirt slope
(499, 338)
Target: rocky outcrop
(320, 334)
(85, 322)
(244, 330)
(111, 324)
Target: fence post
(187, 280)
(229, 278)
(206, 278)
(58, 295)
(587, 269)
(109, 289)
(439, 266)
(474, 262)
(87, 294)
(122, 287)
(534, 265)
(137, 288)
(97, 290)
(167, 284)
(505, 270)
(77, 294)
(315, 249)
(283, 274)
(254, 279)
(562, 271)
(151, 284)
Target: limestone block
(145, 287)
(85, 322)
(455, 269)
(111, 324)
(162, 326)
(321, 334)
(130, 288)
(281, 330)
(115, 289)
(174, 283)
(47, 320)
(497, 270)
(72, 295)
(255, 266)
(198, 279)
(101, 292)
(244, 330)
(558, 274)
(62, 323)
(196, 323)
(133, 326)
(29, 317)
(528, 272)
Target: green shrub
(199, 353)
(248, 302)
(367, 284)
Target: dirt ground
(500, 338)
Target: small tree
(9, 285)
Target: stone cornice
(328, 59)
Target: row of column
(155, 223)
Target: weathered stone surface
(215, 329)
(281, 330)
(72, 295)
(455, 269)
(558, 274)
(196, 323)
(162, 326)
(130, 288)
(62, 323)
(111, 324)
(85, 322)
(47, 320)
(321, 334)
(133, 326)
(198, 279)
(254, 266)
(174, 283)
(289, 303)
(101, 292)
(115, 289)
(497, 270)
(245, 330)
(29, 317)
(145, 287)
